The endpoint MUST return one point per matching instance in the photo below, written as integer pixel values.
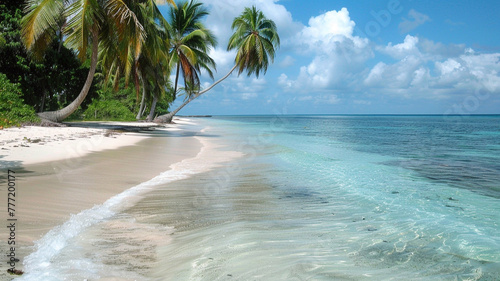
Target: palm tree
(190, 43)
(150, 68)
(256, 39)
(153, 62)
(89, 22)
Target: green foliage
(256, 40)
(108, 110)
(13, 111)
(163, 105)
(113, 105)
(46, 85)
(191, 43)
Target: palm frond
(256, 39)
(37, 25)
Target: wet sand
(48, 193)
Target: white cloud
(426, 71)
(223, 59)
(325, 57)
(399, 51)
(223, 12)
(448, 66)
(337, 52)
(439, 51)
(329, 27)
(415, 20)
(285, 83)
(219, 20)
(485, 68)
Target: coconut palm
(190, 43)
(153, 62)
(256, 39)
(150, 69)
(89, 22)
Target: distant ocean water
(315, 198)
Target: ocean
(301, 198)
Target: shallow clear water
(314, 198)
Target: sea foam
(40, 265)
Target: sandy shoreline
(58, 173)
(33, 144)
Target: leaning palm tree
(190, 43)
(256, 39)
(89, 22)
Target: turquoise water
(314, 198)
(383, 197)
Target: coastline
(211, 215)
(53, 191)
(34, 144)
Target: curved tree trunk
(141, 108)
(61, 114)
(167, 118)
(153, 108)
(176, 80)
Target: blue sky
(363, 57)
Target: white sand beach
(33, 144)
(61, 171)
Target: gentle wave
(39, 264)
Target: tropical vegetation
(113, 59)
(13, 110)
(255, 38)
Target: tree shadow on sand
(15, 166)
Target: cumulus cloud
(222, 13)
(332, 26)
(323, 62)
(337, 52)
(402, 50)
(427, 71)
(414, 20)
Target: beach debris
(32, 140)
(15, 271)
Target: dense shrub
(113, 105)
(13, 111)
(108, 110)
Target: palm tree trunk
(153, 108)
(61, 114)
(42, 104)
(167, 118)
(176, 80)
(141, 108)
